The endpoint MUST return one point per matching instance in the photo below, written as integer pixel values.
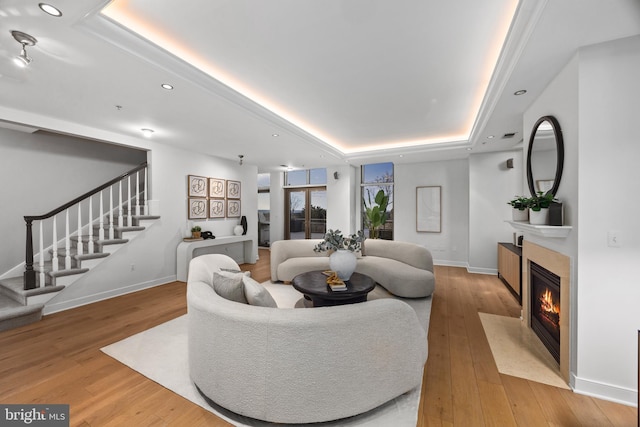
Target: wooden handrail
(86, 195)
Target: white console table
(185, 251)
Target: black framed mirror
(545, 156)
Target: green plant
(520, 202)
(196, 229)
(334, 240)
(541, 201)
(376, 215)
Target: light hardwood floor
(58, 360)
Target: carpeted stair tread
(14, 288)
(19, 316)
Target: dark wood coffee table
(313, 285)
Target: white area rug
(518, 351)
(160, 354)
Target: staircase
(23, 298)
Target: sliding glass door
(306, 213)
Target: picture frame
(429, 209)
(233, 189)
(216, 208)
(233, 208)
(216, 188)
(197, 186)
(197, 208)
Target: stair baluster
(90, 240)
(67, 243)
(101, 222)
(54, 256)
(129, 200)
(138, 193)
(145, 202)
(111, 235)
(79, 248)
(41, 258)
(120, 204)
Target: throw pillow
(257, 294)
(233, 270)
(229, 286)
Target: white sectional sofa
(299, 365)
(404, 269)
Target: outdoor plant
(519, 202)
(376, 216)
(541, 201)
(334, 240)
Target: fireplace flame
(546, 303)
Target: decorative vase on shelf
(243, 223)
(520, 214)
(238, 230)
(540, 217)
(343, 262)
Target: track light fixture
(25, 40)
(241, 157)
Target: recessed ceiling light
(51, 10)
(520, 92)
(491, 136)
(147, 133)
(275, 135)
(469, 149)
(166, 86)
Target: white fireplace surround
(559, 265)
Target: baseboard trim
(613, 393)
(78, 302)
(478, 270)
(447, 263)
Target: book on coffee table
(341, 286)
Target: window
(264, 209)
(377, 178)
(306, 177)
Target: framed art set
(213, 198)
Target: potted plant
(539, 208)
(195, 232)
(342, 259)
(376, 215)
(520, 206)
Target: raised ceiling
(337, 80)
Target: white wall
(41, 171)
(609, 150)
(342, 198)
(450, 246)
(491, 186)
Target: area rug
(518, 351)
(160, 354)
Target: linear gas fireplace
(545, 307)
(546, 297)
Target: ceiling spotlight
(51, 10)
(25, 40)
(520, 92)
(275, 135)
(166, 86)
(147, 133)
(241, 157)
(491, 136)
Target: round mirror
(545, 156)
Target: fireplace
(546, 300)
(545, 307)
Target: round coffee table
(313, 285)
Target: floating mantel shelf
(542, 230)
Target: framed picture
(428, 209)
(197, 208)
(216, 188)
(233, 208)
(216, 208)
(233, 189)
(197, 186)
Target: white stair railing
(50, 222)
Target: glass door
(306, 213)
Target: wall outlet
(613, 239)
(133, 267)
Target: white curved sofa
(299, 365)
(404, 269)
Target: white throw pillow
(257, 294)
(229, 286)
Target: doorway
(306, 213)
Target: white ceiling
(337, 80)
